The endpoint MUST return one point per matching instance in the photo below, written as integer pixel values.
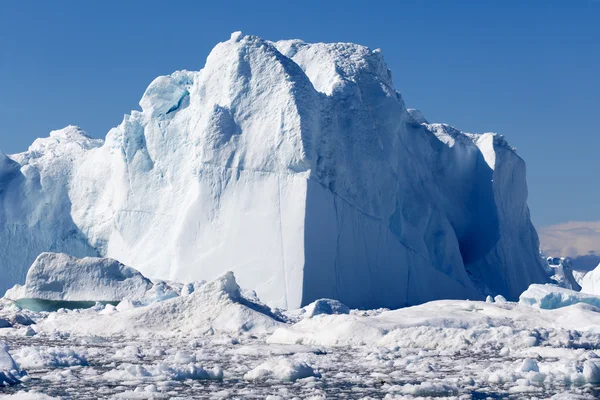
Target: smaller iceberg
(57, 280)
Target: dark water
(55, 305)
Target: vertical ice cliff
(295, 165)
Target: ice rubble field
(218, 341)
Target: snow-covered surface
(295, 165)
(57, 276)
(218, 342)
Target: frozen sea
(97, 367)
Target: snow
(59, 277)
(293, 161)
(551, 296)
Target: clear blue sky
(527, 69)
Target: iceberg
(58, 277)
(295, 165)
(563, 273)
(552, 296)
(590, 283)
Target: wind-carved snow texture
(295, 165)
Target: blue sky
(526, 69)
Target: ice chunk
(21, 319)
(551, 296)
(529, 365)
(165, 94)
(325, 306)
(10, 373)
(562, 273)
(35, 357)
(499, 299)
(162, 371)
(591, 372)
(236, 36)
(430, 389)
(282, 369)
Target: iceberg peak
(236, 36)
(417, 115)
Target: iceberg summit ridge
(298, 167)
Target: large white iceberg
(295, 165)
